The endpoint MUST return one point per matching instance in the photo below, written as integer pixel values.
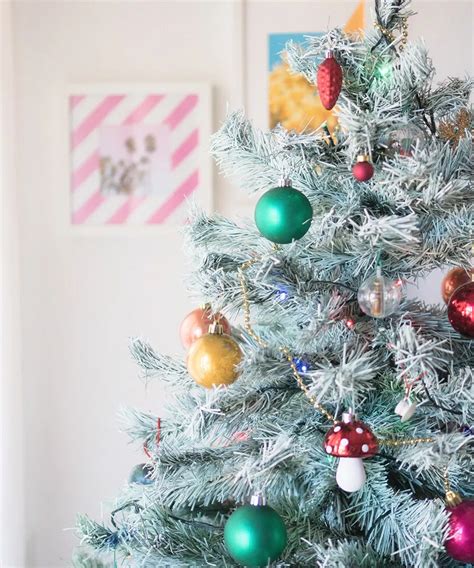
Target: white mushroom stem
(350, 474)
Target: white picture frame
(179, 114)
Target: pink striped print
(123, 212)
(185, 189)
(179, 113)
(85, 170)
(95, 118)
(143, 109)
(89, 207)
(91, 163)
(178, 156)
(185, 148)
(75, 100)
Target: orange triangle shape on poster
(356, 22)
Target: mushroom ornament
(351, 440)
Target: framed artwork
(138, 153)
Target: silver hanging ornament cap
(285, 181)
(349, 416)
(258, 500)
(452, 498)
(216, 328)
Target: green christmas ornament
(283, 214)
(255, 534)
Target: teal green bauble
(255, 535)
(283, 214)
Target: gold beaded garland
(263, 344)
(391, 37)
(286, 352)
(406, 442)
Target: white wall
(12, 528)
(82, 297)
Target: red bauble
(197, 323)
(454, 278)
(362, 170)
(461, 310)
(460, 543)
(350, 438)
(329, 81)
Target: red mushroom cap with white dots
(350, 438)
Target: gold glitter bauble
(212, 360)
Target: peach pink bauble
(196, 324)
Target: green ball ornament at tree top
(283, 214)
(255, 534)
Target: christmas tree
(333, 426)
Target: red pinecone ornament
(329, 81)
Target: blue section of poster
(277, 42)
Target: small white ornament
(405, 409)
